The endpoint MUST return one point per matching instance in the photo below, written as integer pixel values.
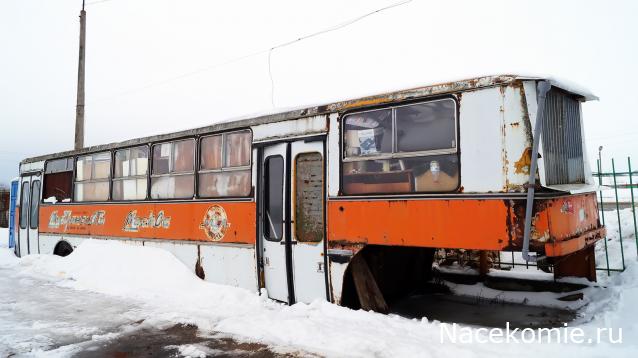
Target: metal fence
(623, 181)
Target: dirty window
(274, 215)
(92, 173)
(58, 180)
(224, 169)
(35, 204)
(173, 170)
(404, 149)
(368, 134)
(130, 173)
(24, 205)
(426, 126)
(309, 197)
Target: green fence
(616, 180)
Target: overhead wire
(249, 55)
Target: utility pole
(79, 109)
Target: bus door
(28, 242)
(292, 221)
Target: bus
(346, 202)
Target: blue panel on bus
(12, 212)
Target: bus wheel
(63, 248)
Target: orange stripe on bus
(229, 222)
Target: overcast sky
(153, 66)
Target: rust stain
(522, 165)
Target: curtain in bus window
(211, 152)
(173, 170)
(173, 187)
(426, 126)
(221, 184)
(238, 149)
(368, 133)
(92, 177)
(129, 178)
(184, 157)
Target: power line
(243, 57)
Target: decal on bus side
(133, 223)
(67, 218)
(215, 223)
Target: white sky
(132, 44)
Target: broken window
(224, 169)
(58, 180)
(405, 149)
(130, 173)
(92, 174)
(173, 170)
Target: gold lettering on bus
(133, 223)
(68, 219)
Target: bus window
(58, 180)
(309, 223)
(422, 155)
(129, 174)
(92, 173)
(35, 204)
(274, 198)
(173, 170)
(24, 205)
(225, 165)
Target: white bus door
(307, 198)
(276, 254)
(29, 215)
(292, 221)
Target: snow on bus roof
(282, 114)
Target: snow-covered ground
(53, 306)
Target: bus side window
(224, 169)
(92, 177)
(173, 174)
(404, 149)
(58, 180)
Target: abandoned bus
(346, 202)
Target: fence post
(633, 205)
(602, 212)
(622, 251)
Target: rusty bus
(345, 202)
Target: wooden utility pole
(79, 109)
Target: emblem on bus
(215, 223)
(133, 223)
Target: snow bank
(170, 293)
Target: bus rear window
(58, 180)
(404, 149)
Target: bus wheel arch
(397, 271)
(63, 248)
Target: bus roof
(380, 99)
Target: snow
(113, 285)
